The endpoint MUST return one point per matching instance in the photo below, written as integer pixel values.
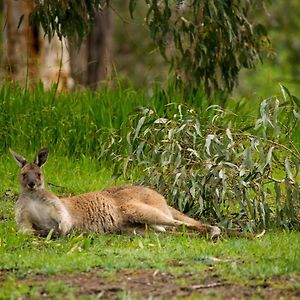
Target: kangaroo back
(94, 212)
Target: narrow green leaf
(269, 157)
(288, 170)
(132, 6)
(139, 126)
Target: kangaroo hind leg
(146, 214)
(214, 231)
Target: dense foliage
(67, 18)
(205, 42)
(238, 173)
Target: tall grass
(78, 123)
(86, 122)
(73, 124)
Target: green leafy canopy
(206, 42)
(66, 18)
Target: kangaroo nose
(31, 184)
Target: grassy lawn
(135, 266)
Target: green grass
(74, 124)
(242, 262)
(77, 128)
(23, 257)
(86, 123)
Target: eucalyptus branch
(226, 172)
(174, 35)
(297, 155)
(276, 180)
(125, 21)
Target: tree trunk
(98, 49)
(20, 46)
(91, 63)
(28, 57)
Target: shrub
(239, 173)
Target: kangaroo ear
(41, 157)
(21, 161)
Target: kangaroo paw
(215, 233)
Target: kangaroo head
(31, 175)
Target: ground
(153, 284)
(146, 266)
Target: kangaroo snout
(31, 185)
(31, 177)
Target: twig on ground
(206, 286)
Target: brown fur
(112, 210)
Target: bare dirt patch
(145, 284)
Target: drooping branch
(206, 42)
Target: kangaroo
(38, 211)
